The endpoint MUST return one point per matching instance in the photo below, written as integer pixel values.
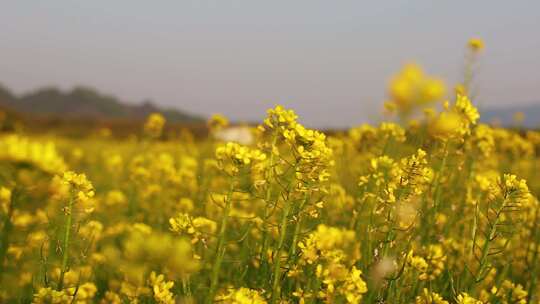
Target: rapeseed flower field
(429, 206)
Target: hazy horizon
(330, 61)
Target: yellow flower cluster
(428, 297)
(465, 108)
(331, 250)
(5, 199)
(456, 122)
(327, 243)
(476, 44)
(354, 286)
(388, 180)
(79, 185)
(311, 153)
(232, 157)
(376, 140)
(161, 289)
(241, 295)
(153, 127)
(84, 294)
(507, 292)
(280, 119)
(464, 298)
(143, 248)
(509, 190)
(217, 122)
(411, 88)
(199, 228)
(383, 179)
(49, 295)
(388, 130)
(339, 282)
(415, 172)
(430, 267)
(483, 140)
(20, 149)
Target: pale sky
(328, 60)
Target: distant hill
(505, 115)
(83, 102)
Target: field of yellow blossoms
(429, 207)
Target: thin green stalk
(186, 286)
(268, 196)
(432, 213)
(485, 249)
(474, 230)
(369, 239)
(297, 226)
(65, 245)
(6, 231)
(363, 226)
(536, 244)
(438, 182)
(462, 207)
(468, 73)
(277, 252)
(389, 234)
(292, 249)
(220, 250)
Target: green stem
(6, 229)
(220, 250)
(268, 195)
(277, 253)
(389, 235)
(438, 182)
(536, 244)
(368, 254)
(468, 75)
(432, 213)
(186, 286)
(486, 247)
(297, 226)
(474, 230)
(65, 245)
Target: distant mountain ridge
(505, 116)
(84, 102)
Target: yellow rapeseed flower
(476, 44)
(153, 127)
